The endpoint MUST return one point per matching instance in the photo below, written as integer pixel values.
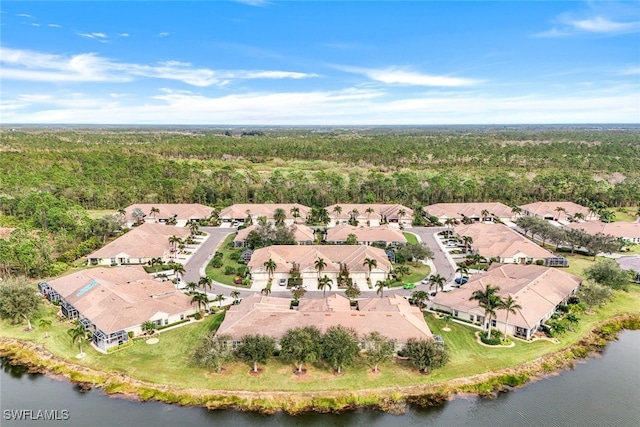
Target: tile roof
(380, 210)
(616, 229)
(149, 240)
(536, 288)
(549, 209)
(470, 210)
(497, 240)
(301, 233)
(184, 211)
(239, 210)
(383, 233)
(120, 297)
(305, 256)
(391, 316)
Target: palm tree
(437, 280)
(450, 222)
(191, 286)
(578, 216)
(419, 298)
(354, 215)
(510, 305)
(369, 211)
(279, 215)
(560, 209)
(235, 294)
(270, 265)
(485, 214)
(323, 284)
(153, 213)
(487, 299)
(516, 210)
(266, 290)
(173, 241)
(401, 213)
(467, 241)
(46, 325)
(179, 270)
(194, 227)
(320, 264)
(200, 299)
(219, 298)
(338, 210)
(205, 282)
(77, 334)
(464, 271)
(370, 264)
(295, 212)
(380, 288)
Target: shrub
(539, 262)
(563, 308)
(216, 262)
(496, 337)
(229, 270)
(130, 334)
(197, 316)
(235, 256)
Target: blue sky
(259, 62)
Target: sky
(256, 62)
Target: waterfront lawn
(169, 361)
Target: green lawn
(99, 213)
(418, 271)
(168, 362)
(411, 238)
(217, 274)
(627, 214)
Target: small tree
(213, 352)
(352, 292)
(45, 324)
(235, 295)
(593, 294)
(78, 333)
(380, 284)
(256, 349)
(298, 292)
(420, 298)
(324, 283)
(378, 349)
(219, 298)
(509, 305)
(426, 354)
(608, 273)
(149, 327)
(205, 282)
(19, 300)
(437, 281)
(340, 346)
(201, 299)
(301, 345)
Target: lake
(602, 391)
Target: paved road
(441, 264)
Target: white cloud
(600, 24)
(24, 15)
(602, 18)
(259, 3)
(123, 35)
(630, 71)
(34, 66)
(164, 34)
(399, 76)
(54, 26)
(34, 24)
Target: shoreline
(389, 399)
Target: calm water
(599, 392)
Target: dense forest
(50, 177)
(114, 168)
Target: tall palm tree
(354, 214)
(179, 270)
(174, 241)
(370, 264)
(464, 272)
(270, 265)
(401, 213)
(338, 210)
(380, 288)
(437, 280)
(279, 215)
(560, 209)
(235, 294)
(369, 211)
(450, 222)
(77, 333)
(153, 213)
(516, 210)
(323, 284)
(219, 298)
(205, 282)
(45, 324)
(295, 212)
(510, 305)
(194, 227)
(191, 286)
(578, 216)
(487, 299)
(200, 299)
(484, 213)
(320, 264)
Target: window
(493, 322)
(235, 345)
(166, 322)
(455, 313)
(182, 317)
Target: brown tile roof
(305, 256)
(391, 316)
(470, 210)
(184, 211)
(383, 233)
(548, 209)
(536, 288)
(380, 210)
(239, 210)
(497, 240)
(119, 297)
(149, 240)
(616, 229)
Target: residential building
(474, 212)
(372, 214)
(501, 243)
(239, 213)
(391, 316)
(336, 258)
(386, 234)
(538, 290)
(111, 302)
(302, 235)
(181, 213)
(558, 211)
(627, 231)
(140, 245)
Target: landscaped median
(165, 371)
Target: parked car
(283, 282)
(409, 286)
(461, 280)
(426, 280)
